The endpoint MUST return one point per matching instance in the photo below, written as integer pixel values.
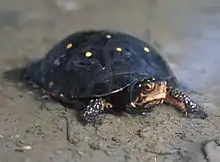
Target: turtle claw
(200, 114)
(193, 109)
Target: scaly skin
(184, 103)
(151, 93)
(93, 109)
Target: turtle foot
(90, 115)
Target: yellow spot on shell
(108, 36)
(146, 49)
(70, 45)
(118, 49)
(88, 54)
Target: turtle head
(148, 93)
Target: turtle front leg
(93, 109)
(184, 103)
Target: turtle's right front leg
(184, 103)
(93, 109)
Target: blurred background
(187, 33)
(188, 29)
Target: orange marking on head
(154, 96)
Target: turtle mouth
(145, 108)
(147, 103)
(153, 103)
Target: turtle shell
(98, 63)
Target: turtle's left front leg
(93, 109)
(184, 103)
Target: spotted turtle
(105, 70)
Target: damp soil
(186, 33)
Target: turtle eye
(148, 87)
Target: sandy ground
(187, 34)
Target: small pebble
(218, 141)
(17, 136)
(86, 138)
(23, 148)
(95, 146)
(68, 5)
(80, 153)
(19, 94)
(115, 140)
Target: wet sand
(187, 34)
